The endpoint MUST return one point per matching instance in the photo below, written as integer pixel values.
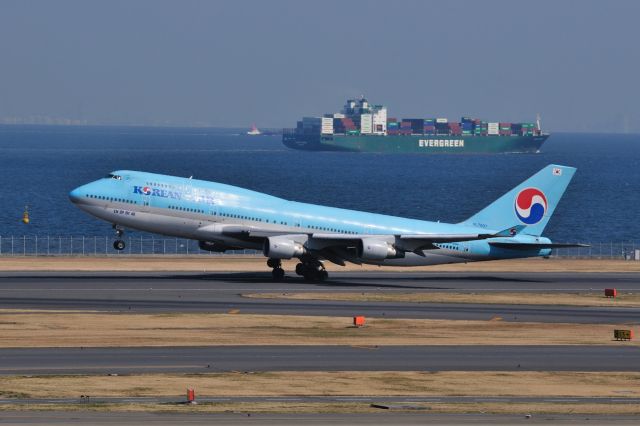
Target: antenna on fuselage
(191, 177)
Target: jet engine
(373, 249)
(282, 248)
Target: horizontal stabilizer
(533, 246)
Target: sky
(237, 62)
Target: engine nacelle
(372, 249)
(215, 247)
(282, 248)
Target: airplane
(224, 217)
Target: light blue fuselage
(200, 210)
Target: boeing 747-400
(224, 217)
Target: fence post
(12, 245)
(164, 246)
(83, 245)
(140, 244)
(36, 244)
(24, 245)
(48, 245)
(0, 244)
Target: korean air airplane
(223, 217)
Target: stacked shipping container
(359, 117)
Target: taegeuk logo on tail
(530, 205)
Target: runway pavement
(316, 358)
(383, 417)
(220, 292)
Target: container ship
(363, 127)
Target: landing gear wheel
(310, 275)
(277, 274)
(274, 263)
(119, 245)
(119, 231)
(312, 270)
(316, 276)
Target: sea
(39, 165)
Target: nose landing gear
(119, 243)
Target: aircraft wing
(533, 246)
(337, 247)
(405, 242)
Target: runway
(383, 417)
(221, 292)
(213, 359)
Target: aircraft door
(146, 198)
(465, 246)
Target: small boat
(254, 131)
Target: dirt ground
(339, 383)
(288, 407)
(258, 263)
(95, 329)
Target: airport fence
(49, 245)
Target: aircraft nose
(76, 195)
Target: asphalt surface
(383, 417)
(221, 292)
(316, 358)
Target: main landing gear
(278, 272)
(119, 243)
(312, 270)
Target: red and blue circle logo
(146, 190)
(530, 205)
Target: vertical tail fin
(531, 203)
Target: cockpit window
(112, 176)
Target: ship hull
(423, 144)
